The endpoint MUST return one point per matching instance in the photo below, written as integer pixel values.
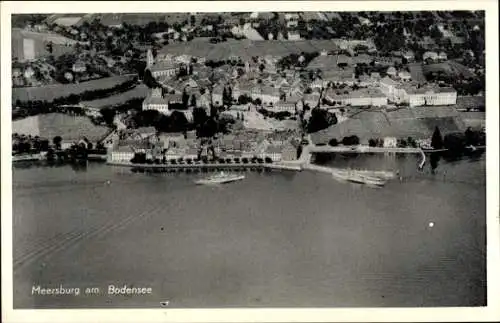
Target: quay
(210, 166)
(303, 163)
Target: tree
(57, 142)
(185, 99)
(199, 116)
(244, 99)
(178, 122)
(320, 119)
(108, 115)
(350, 141)
(193, 100)
(437, 139)
(192, 20)
(333, 142)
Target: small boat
(374, 181)
(220, 178)
(355, 177)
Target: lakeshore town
(225, 88)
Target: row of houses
(276, 146)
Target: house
(145, 132)
(388, 60)
(288, 152)
(203, 101)
(256, 92)
(409, 56)
(390, 142)
(404, 76)
(273, 152)
(375, 75)
(362, 59)
(293, 35)
(317, 84)
(391, 71)
(292, 20)
(79, 67)
(217, 95)
(155, 101)
(364, 21)
(29, 72)
(343, 60)
(433, 56)
(122, 153)
(365, 81)
(442, 56)
(311, 100)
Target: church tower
(150, 58)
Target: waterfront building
(121, 154)
(288, 152)
(273, 152)
(390, 142)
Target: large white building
(164, 68)
(414, 96)
(361, 97)
(155, 101)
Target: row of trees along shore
(455, 142)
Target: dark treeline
(23, 109)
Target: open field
(450, 68)
(245, 48)
(57, 124)
(417, 74)
(465, 102)
(50, 92)
(138, 92)
(61, 44)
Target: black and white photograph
(246, 158)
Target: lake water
(275, 239)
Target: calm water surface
(272, 240)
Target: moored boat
(221, 178)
